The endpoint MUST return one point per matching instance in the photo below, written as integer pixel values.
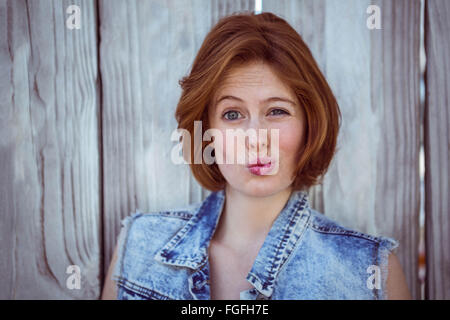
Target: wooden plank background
(87, 116)
(437, 146)
(49, 152)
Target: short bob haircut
(247, 37)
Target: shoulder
(153, 223)
(351, 243)
(319, 223)
(362, 255)
(142, 234)
(181, 213)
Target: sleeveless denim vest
(305, 255)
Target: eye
(231, 115)
(278, 112)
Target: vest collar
(189, 246)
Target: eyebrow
(271, 99)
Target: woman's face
(253, 97)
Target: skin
(261, 197)
(396, 286)
(109, 289)
(254, 201)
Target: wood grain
(78, 154)
(49, 152)
(437, 149)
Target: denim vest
(305, 255)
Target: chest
(228, 272)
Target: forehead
(253, 77)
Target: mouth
(261, 167)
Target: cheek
(224, 143)
(291, 139)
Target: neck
(246, 220)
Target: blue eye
(277, 112)
(231, 115)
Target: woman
(255, 236)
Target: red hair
(247, 37)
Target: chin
(254, 185)
(261, 187)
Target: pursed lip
(260, 163)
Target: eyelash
(284, 112)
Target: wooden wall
(49, 151)
(86, 117)
(437, 149)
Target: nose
(257, 139)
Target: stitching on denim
(194, 219)
(128, 291)
(181, 234)
(143, 291)
(297, 243)
(282, 242)
(338, 231)
(375, 253)
(202, 265)
(341, 230)
(181, 260)
(298, 209)
(173, 214)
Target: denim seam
(174, 214)
(180, 235)
(185, 260)
(297, 243)
(299, 236)
(298, 208)
(143, 291)
(176, 239)
(375, 253)
(346, 233)
(296, 239)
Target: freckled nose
(254, 142)
(258, 138)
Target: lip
(261, 162)
(261, 167)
